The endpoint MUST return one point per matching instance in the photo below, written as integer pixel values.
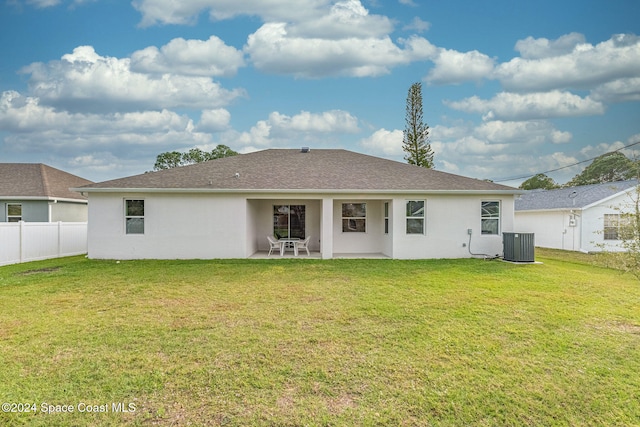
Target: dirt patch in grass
(40, 271)
(341, 403)
(619, 327)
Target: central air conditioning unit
(518, 247)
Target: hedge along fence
(32, 241)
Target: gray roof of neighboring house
(572, 197)
(39, 181)
(290, 170)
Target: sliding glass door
(289, 221)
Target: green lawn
(293, 342)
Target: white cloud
(40, 4)
(272, 49)
(43, 3)
(281, 130)
(492, 149)
(452, 67)
(214, 120)
(99, 142)
(529, 132)
(488, 150)
(186, 12)
(531, 48)
(86, 81)
(25, 115)
(583, 67)
(259, 135)
(334, 121)
(472, 145)
(344, 19)
(621, 90)
(418, 25)
(314, 38)
(210, 57)
(513, 106)
(384, 142)
(560, 137)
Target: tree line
(173, 159)
(609, 167)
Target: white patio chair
(303, 244)
(274, 244)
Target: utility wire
(563, 167)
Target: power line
(563, 167)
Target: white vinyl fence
(32, 241)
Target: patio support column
(399, 232)
(326, 229)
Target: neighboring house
(347, 203)
(584, 218)
(33, 192)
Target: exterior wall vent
(519, 247)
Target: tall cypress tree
(415, 140)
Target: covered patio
(352, 227)
(317, 255)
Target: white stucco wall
(448, 218)
(552, 229)
(205, 225)
(188, 226)
(369, 242)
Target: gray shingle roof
(287, 169)
(19, 180)
(572, 197)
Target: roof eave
(291, 190)
(566, 209)
(44, 199)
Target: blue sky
(100, 87)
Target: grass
(305, 342)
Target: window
(490, 218)
(415, 217)
(614, 225)
(386, 217)
(14, 212)
(289, 221)
(354, 217)
(134, 216)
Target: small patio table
(289, 242)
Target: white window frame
(613, 223)
(414, 217)
(353, 219)
(127, 217)
(496, 218)
(14, 218)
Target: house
(584, 218)
(34, 192)
(347, 203)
